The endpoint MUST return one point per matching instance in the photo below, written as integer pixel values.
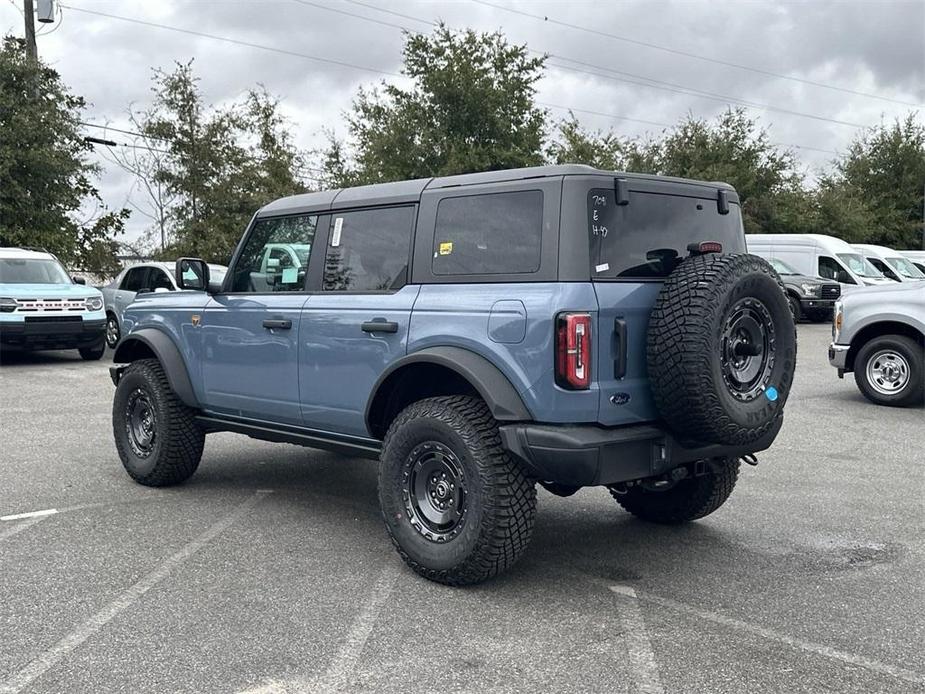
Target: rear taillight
(573, 350)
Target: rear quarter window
(489, 234)
(648, 237)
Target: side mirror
(272, 263)
(160, 290)
(79, 280)
(192, 273)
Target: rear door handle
(277, 323)
(379, 326)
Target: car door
(251, 330)
(356, 324)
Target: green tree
(45, 177)
(221, 164)
(602, 150)
(469, 108)
(875, 193)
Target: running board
(300, 436)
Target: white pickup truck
(879, 334)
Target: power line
(686, 54)
(215, 37)
(627, 77)
(119, 130)
(600, 113)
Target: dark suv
(477, 334)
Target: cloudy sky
(817, 70)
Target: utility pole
(32, 52)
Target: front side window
(265, 264)
(32, 271)
(489, 234)
(649, 236)
(906, 268)
(859, 265)
(134, 279)
(158, 280)
(830, 269)
(368, 250)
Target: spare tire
(721, 349)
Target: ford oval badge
(620, 398)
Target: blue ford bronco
(476, 334)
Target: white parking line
(808, 646)
(29, 514)
(17, 528)
(643, 666)
(337, 677)
(91, 626)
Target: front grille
(51, 305)
(53, 319)
(830, 291)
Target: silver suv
(879, 334)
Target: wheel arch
(441, 371)
(151, 343)
(879, 329)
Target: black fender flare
(167, 353)
(495, 389)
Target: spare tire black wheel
(721, 349)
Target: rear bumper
(52, 334)
(591, 455)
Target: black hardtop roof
(410, 191)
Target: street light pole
(29, 14)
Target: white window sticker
(338, 225)
(602, 268)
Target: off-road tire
(795, 309)
(501, 499)
(685, 348)
(914, 391)
(94, 353)
(178, 441)
(689, 499)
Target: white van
(891, 263)
(917, 258)
(817, 255)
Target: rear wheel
(458, 509)
(157, 437)
(889, 371)
(672, 502)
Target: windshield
(32, 271)
(649, 236)
(859, 265)
(906, 268)
(782, 267)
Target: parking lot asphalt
(270, 570)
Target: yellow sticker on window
(446, 247)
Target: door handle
(379, 326)
(277, 323)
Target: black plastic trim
(493, 386)
(167, 354)
(301, 436)
(586, 455)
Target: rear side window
(648, 237)
(491, 234)
(368, 250)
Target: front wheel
(157, 437)
(458, 509)
(673, 502)
(93, 353)
(113, 333)
(889, 370)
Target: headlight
(8, 305)
(810, 289)
(94, 303)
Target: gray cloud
(864, 46)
